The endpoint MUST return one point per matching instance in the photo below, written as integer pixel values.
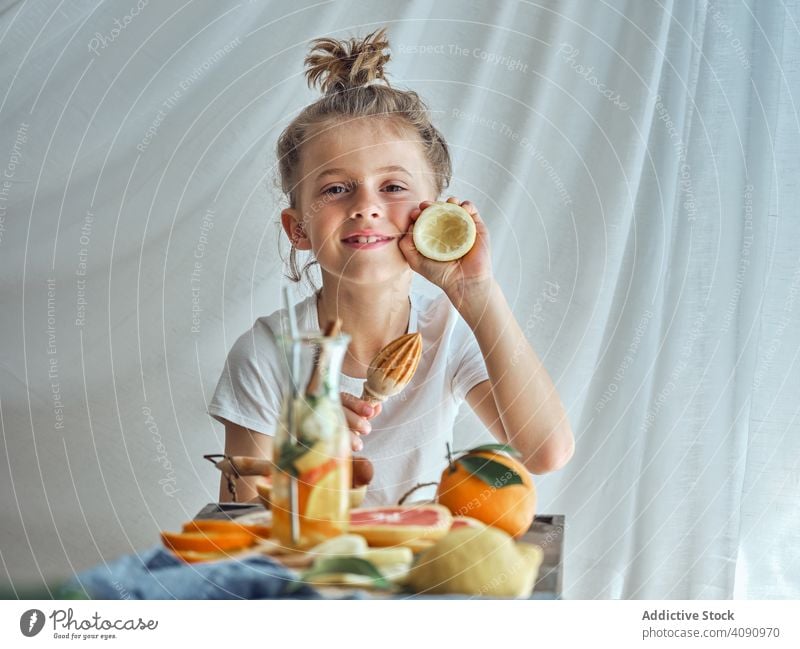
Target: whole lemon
(475, 561)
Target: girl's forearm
(530, 409)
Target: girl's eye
(394, 188)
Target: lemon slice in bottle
(444, 232)
(324, 500)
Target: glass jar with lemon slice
(311, 451)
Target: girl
(358, 166)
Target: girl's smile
(367, 240)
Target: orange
(226, 526)
(189, 556)
(207, 541)
(509, 507)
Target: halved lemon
(444, 232)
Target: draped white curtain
(637, 165)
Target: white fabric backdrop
(636, 162)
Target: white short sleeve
(248, 392)
(470, 368)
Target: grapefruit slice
(466, 521)
(409, 526)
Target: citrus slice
(465, 521)
(316, 456)
(207, 541)
(325, 497)
(413, 526)
(190, 556)
(357, 496)
(227, 526)
(444, 232)
(264, 490)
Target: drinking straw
(294, 515)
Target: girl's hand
(358, 413)
(456, 278)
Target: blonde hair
(350, 74)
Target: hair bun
(336, 65)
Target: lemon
(477, 561)
(444, 232)
(346, 545)
(316, 456)
(325, 499)
(357, 495)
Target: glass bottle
(311, 450)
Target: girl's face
(358, 183)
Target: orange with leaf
(488, 484)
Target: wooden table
(547, 531)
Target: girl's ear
(293, 226)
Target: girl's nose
(366, 204)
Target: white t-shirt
(407, 442)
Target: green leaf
(503, 448)
(293, 586)
(491, 472)
(352, 565)
(289, 454)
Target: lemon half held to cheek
(444, 232)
